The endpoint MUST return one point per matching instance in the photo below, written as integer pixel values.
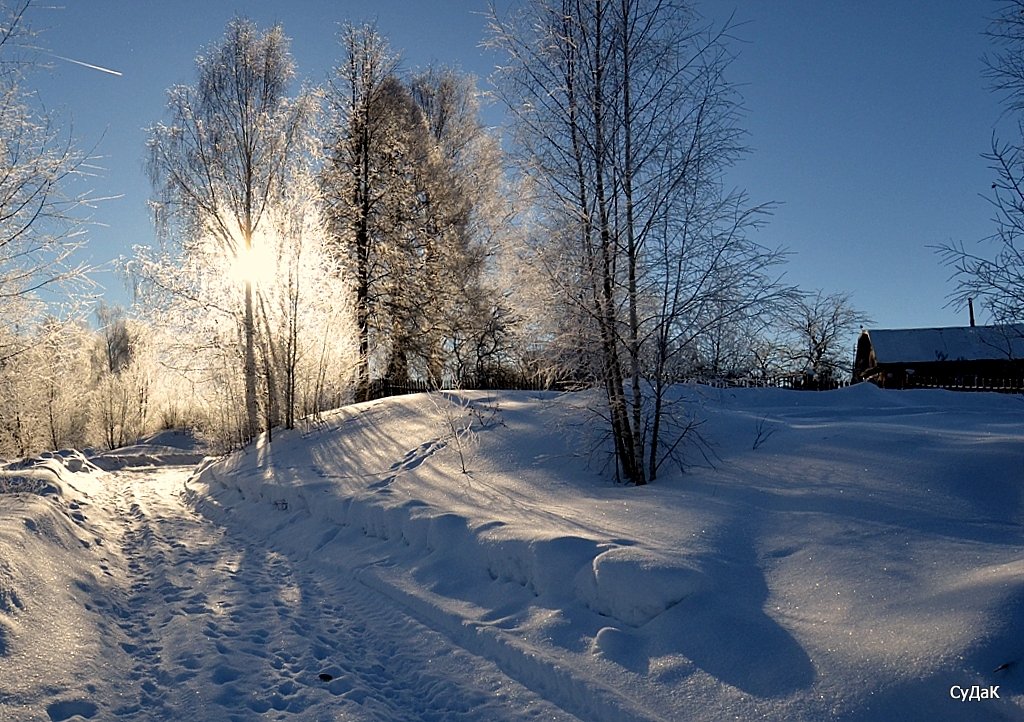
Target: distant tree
(822, 325)
(124, 372)
(116, 351)
(224, 160)
(996, 281)
(61, 354)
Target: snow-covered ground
(852, 555)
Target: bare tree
(997, 281)
(822, 323)
(626, 125)
(225, 157)
(39, 229)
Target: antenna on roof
(970, 307)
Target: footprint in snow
(66, 709)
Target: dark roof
(958, 343)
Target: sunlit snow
(850, 555)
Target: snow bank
(557, 561)
(165, 448)
(852, 554)
(51, 562)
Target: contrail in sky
(100, 68)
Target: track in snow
(215, 626)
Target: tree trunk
(632, 245)
(249, 366)
(626, 442)
(362, 241)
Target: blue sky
(866, 120)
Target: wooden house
(967, 357)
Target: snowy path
(216, 627)
(863, 566)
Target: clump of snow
(611, 584)
(43, 474)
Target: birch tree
(224, 159)
(626, 124)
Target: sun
(254, 265)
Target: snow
(957, 343)
(850, 555)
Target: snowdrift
(50, 561)
(851, 555)
(59, 599)
(173, 447)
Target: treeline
(316, 240)
(69, 386)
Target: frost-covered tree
(224, 159)
(412, 181)
(469, 206)
(360, 156)
(124, 373)
(626, 125)
(46, 398)
(40, 231)
(39, 228)
(304, 329)
(21, 428)
(117, 346)
(305, 311)
(62, 354)
(244, 293)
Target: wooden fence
(1003, 385)
(796, 382)
(380, 388)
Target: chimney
(970, 307)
